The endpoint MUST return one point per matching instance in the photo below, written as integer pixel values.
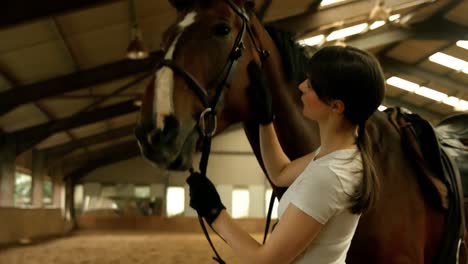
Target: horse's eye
(221, 30)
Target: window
(142, 191)
(108, 199)
(240, 202)
(108, 190)
(274, 213)
(47, 191)
(78, 197)
(175, 201)
(23, 186)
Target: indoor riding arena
(89, 174)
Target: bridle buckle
(207, 122)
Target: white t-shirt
(323, 191)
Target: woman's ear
(338, 106)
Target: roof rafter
(61, 150)
(29, 93)
(396, 67)
(28, 137)
(87, 163)
(312, 20)
(21, 11)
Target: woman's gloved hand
(204, 198)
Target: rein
(207, 121)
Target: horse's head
(203, 78)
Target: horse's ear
(250, 4)
(240, 3)
(181, 5)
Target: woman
(329, 188)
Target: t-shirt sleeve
(318, 193)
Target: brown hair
(356, 78)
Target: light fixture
(325, 3)
(382, 108)
(462, 44)
(394, 17)
(449, 61)
(431, 93)
(137, 102)
(457, 103)
(312, 41)
(136, 49)
(346, 32)
(451, 100)
(462, 106)
(376, 24)
(402, 84)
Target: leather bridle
(207, 120)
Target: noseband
(207, 120)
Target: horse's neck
(297, 135)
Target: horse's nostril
(154, 136)
(142, 129)
(140, 133)
(171, 123)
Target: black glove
(260, 97)
(204, 198)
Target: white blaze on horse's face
(164, 81)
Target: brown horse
(207, 52)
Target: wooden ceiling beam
(28, 137)
(397, 67)
(440, 28)
(62, 150)
(382, 38)
(84, 79)
(22, 11)
(82, 165)
(312, 20)
(430, 29)
(423, 112)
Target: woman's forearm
(245, 247)
(273, 156)
(281, 170)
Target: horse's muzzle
(164, 147)
(157, 144)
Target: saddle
(453, 136)
(420, 142)
(435, 153)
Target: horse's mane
(292, 54)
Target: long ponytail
(366, 194)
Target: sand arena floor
(121, 247)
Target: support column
(58, 184)
(7, 171)
(69, 199)
(92, 195)
(37, 173)
(157, 194)
(257, 201)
